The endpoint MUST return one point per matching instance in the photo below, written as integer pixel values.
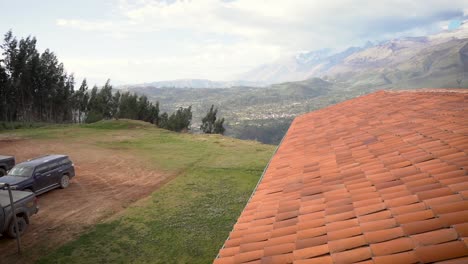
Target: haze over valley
(312, 80)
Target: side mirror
(37, 175)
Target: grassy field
(185, 221)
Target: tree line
(34, 87)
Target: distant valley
(264, 113)
(197, 83)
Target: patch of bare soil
(106, 182)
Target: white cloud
(244, 33)
(86, 25)
(213, 61)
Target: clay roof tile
(278, 259)
(279, 249)
(248, 256)
(311, 242)
(462, 260)
(440, 252)
(310, 252)
(435, 237)
(462, 229)
(422, 226)
(346, 243)
(392, 246)
(352, 256)
(454, 218)
(315, 260)
(404, 257)
(414, 216)
(383, 235)
(312, 232)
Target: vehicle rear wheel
(2, 172)
(22, 226)
(64, 181)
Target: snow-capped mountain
(395, 54)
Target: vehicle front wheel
(64, 181)
(2, 172)
(22, 226)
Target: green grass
(118, 124)
(186, 220)
(21, 125)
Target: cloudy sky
(143, 41)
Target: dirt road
(106, 182)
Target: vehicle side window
(53, 165)
(42, 168)
(65, 162)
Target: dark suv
(41, 174)
(6, 163)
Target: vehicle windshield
(21, 171)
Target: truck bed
(17, 195)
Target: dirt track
(106, 182)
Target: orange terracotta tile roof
(382, 178)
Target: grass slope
(185, 221)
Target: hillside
(245, 108)
(120, 211)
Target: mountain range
(381, 63)
(390, 60)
